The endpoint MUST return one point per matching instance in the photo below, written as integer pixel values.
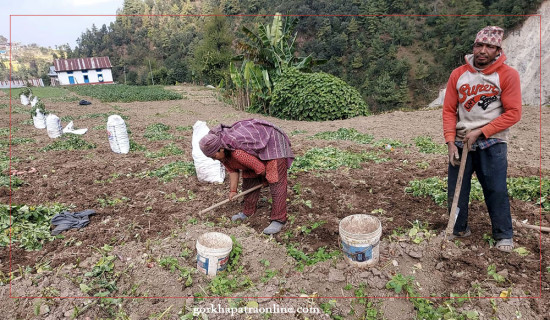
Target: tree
(213, 53)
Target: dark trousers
(490, 166)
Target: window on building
(69, 72)
(98, 70)
(84, 70)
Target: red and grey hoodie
(487, 99)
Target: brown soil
(152, 224)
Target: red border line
(289, 15)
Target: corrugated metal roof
(81, 64)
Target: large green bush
(315, 97)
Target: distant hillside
(28, 61)
(395, 52)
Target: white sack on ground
(118, 135)
(53, 126)
(208, 169)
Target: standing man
(482, 101)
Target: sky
(53, 30)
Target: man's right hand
(454, 157)
(232, 194)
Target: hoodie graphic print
(488, 99)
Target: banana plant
(264, 56)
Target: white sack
(208, 169)
(118, 135)
(53, 126)
(39, 120)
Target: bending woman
(261, 151)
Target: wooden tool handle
(452, 217)
(227, 200)
(530, 226)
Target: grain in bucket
(360, 237)
(213, 250)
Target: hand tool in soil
(227, 200)
(454, 208)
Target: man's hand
(453, 154)
(471, 137)
(232, 194)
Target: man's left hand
(472, 136)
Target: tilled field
(139, 248)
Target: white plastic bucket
(118, 135)
(53, 126)
(213, 250)
(360, 237)
(39, 120)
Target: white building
(83, 71)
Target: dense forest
(396, 53)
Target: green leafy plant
(168, 150)
(304, 259)
(427, 145)
(331, 158)
(39, 106)
(522, 251)
(26, 91)
(315, 97)
(171, 171)
(489, 239)
(305, 229)
(350, 134)
(235, 255)
(30, 225)
(492, 271)
(170, 263)
(111, 202)
(125, 93)
(420, 232)
(158, 131)
(101, 280)
(69, 142)
(400, 283)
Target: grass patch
(69, 142)
(30, 225)
(54, 94)
(427, 145)
(345, 134)
(331, 158)
(125, 93)
(157, 131)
